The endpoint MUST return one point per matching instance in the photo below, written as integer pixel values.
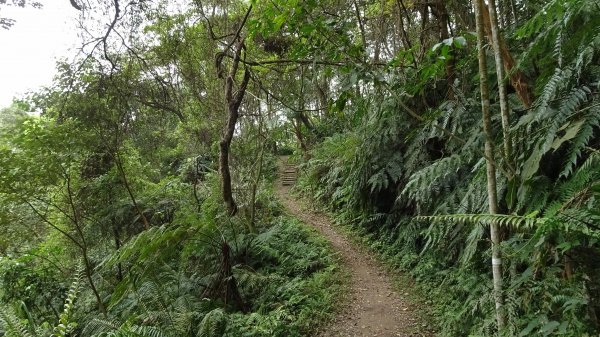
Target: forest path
(374, 307)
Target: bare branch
(76, 5)
(110, 29)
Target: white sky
(29, 49)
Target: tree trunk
(363, 37)
(255, 184)
(234, 100)
(424, 11)
(405, 39)
(491, 170)
(517, 78)
(501, 87)
(301, 116)
(88, 274)
(262, 140)
(231, 294)
(300, 138)
(322, 96)
(76, 220)
(117, 239)
(129, 191)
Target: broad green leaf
(571, 131)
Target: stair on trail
(289, 174)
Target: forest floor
(376, 305)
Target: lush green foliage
(118, 178)
(418, 193)
(118, 181)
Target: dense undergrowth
(449, 259)
(417, 188)
(192, 273)
(176, 110)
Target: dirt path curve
(375, 308)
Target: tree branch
(110, 29)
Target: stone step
(288, 174)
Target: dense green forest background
(459, 139)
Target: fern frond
(65, 325)
(99, 326)
(148, 331)
(470, 248)
(422, 184)
(11, 324)
(590, 122)
(156, 241)
(505, 220)
(213, 324)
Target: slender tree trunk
(255, 183)
(304, 119)
(262, 142)
(322, 96)
(129, 190)
(301, 114)
(513, 12)
(234, 100)
(300, 138)
(88, 274)
(117, 238)
(501, 85)
(405, 39)
(363, 35)
(424, 11)
(517, 78)
(76, 220)
(491, 170)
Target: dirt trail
(374, 308)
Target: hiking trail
(374, 307)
